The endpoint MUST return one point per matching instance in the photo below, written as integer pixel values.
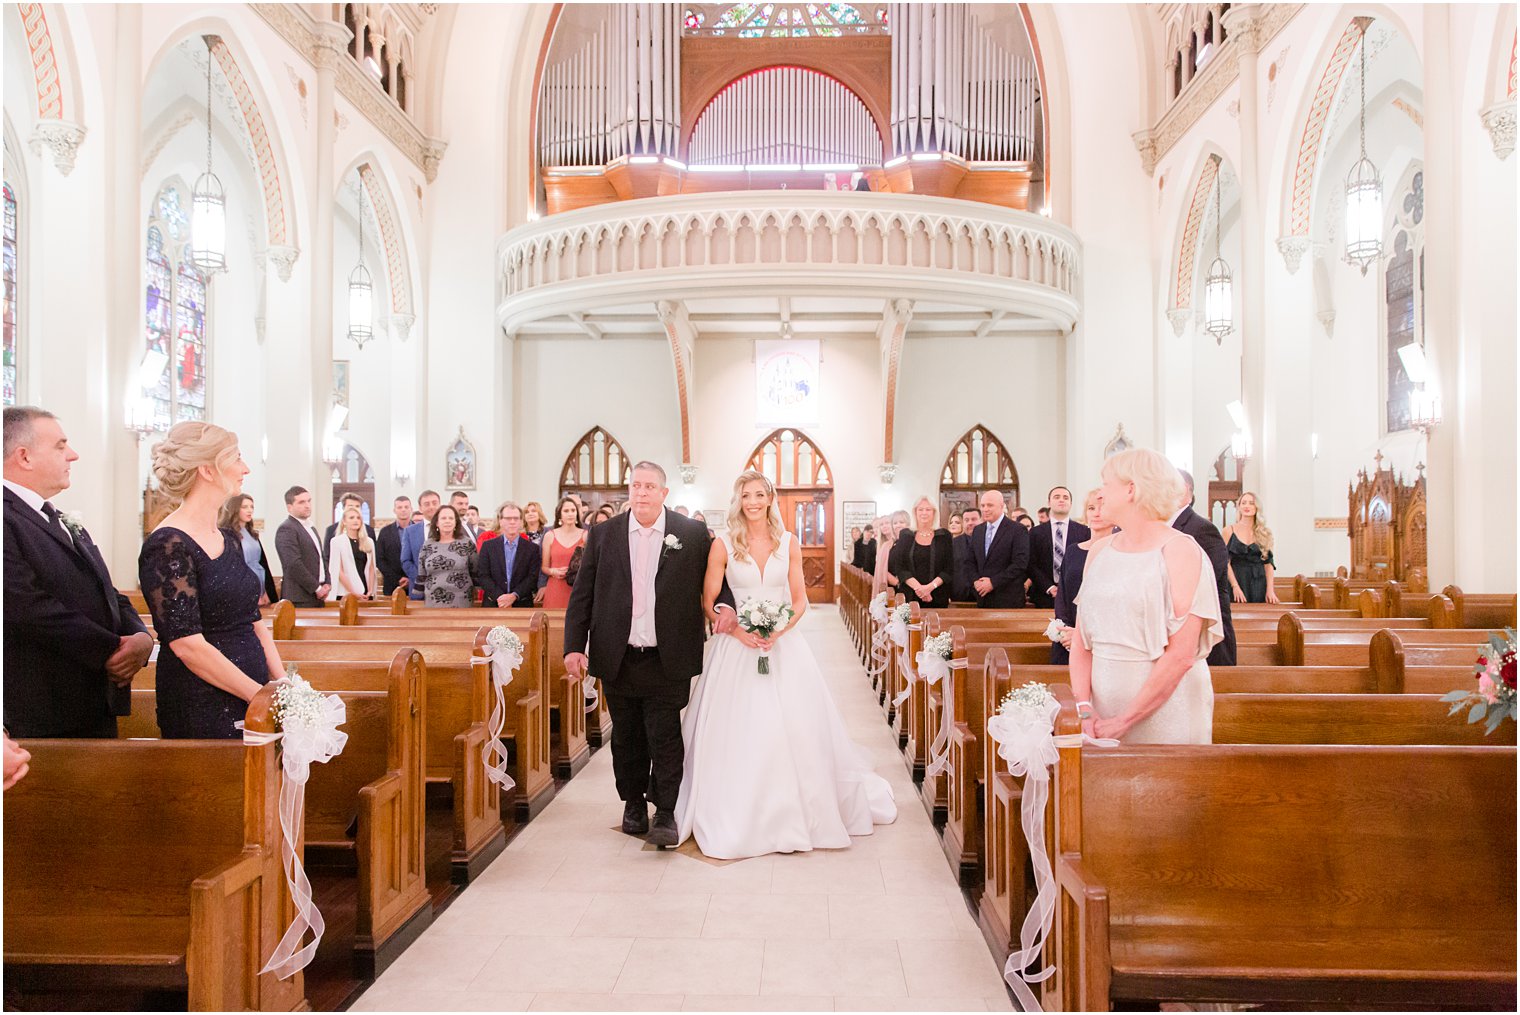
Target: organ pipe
(785, 116)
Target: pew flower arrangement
(941, 645)
(1495, 697)
(763, 618)
(502, 639)
(878, 608)
(505, 657)
(1031, 697)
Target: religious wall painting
(786, 382)
(459, 463)
(340, 377)
(1117, 443)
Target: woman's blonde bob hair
(1159, 490)
(185, 448)
(738, 527)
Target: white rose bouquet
(763, 618)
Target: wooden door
(807, 515)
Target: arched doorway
(597, 470)
(351, 473)
(977, 462)
(805, 497)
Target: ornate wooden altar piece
(1387, 525)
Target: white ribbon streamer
(934, 668)
(898, 630)
(880, 654)
(302, 744)
(1026, 740)
(590, 693)
(503, 662)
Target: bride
(769, 766)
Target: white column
(331, 46)
(124, 347)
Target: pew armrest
(1082, 945)
(232, 915)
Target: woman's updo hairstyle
(185, 448)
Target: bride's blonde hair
(738, 528)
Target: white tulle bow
(897, 630)
(504, 661)
(302, 744)
(934, 667)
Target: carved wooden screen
(598, 469)
(978, 461)
(1224, 489)
(1387, 526)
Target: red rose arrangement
(1494, 699)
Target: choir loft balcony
(965, 267)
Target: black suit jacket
(600, 614)
(941, 563)
(63, 620)
(1042, 558)
(964, 569)
(523, 580)
(1006, 563)
(302, 566)
(388, 557)
(1072, 566)
(1207, 536)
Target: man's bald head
(992, 505)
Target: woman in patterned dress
(446, 565)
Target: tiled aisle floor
(576, 916)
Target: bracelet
(1084, 701)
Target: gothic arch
(1204, 180)
(380, 193)
(791, 460)
(598, 469)
(977, 461)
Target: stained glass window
(174, 315)
(755, 21)
(10, 295)
(1404, 297)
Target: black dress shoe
(663, 832)
(635, 818)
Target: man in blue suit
(413, 538)
(509, 565)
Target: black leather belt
(643, 650)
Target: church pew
(1426, 662)
(1276, 874)
(149, 865)
(1380, 719)
(375, 786)
(1303, 642)
(1474, 610)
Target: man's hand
(403, 583)
(727, 621)
(16, 762)
(982, 586)
(131, 655)
(1052, 590)
(506, 599)
(575, 664)
(323, 591)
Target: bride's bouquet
(763, 618)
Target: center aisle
(574, 915)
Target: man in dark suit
(1206, 535)
(72, 642)
(349, 500)
(645, 662)
(1000, 554)
(964, 559)
(302, 562)
(1048, 546)
(388, 545)
(413, 538)
(460, 501)
(509, 565)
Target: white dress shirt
(641, 633)
(33, 499)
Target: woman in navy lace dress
(215, 654)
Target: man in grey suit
(305, 581)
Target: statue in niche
(1117, 443)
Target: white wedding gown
(769, 766)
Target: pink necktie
(641, 574)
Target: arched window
(790, 460)
(11, 295)
(977, 462)
(174, 314)
(1404, 293)
(758, 21)
(598, 469)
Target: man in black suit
(964, 560)
(1048, 545)
(388, 545)
(460, 501)
(1206, 535)
(509, 564)
(656, 560)
(1000, 555)
(302, 562)
(349, 500)
(72, 642)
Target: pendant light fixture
(208, 201)
(361, 290)
(1218, 285)
(1364, 190)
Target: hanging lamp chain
(1218, 194)
(1364, 90)
(360, 174)
(209, 57)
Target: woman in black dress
(1252, 565)
(923, 560)
(215, 654)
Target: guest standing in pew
(72, 642)
(534, 526)
(304, 578)
(854, 555)
(1147, 615)
(1201, 529)
(237, 515)
(964, 568)
(924, 560)
(204, 600)
(1098, 527)
(1000, 549)
(460, 502)
(447, 567)
(351, 561)
(1252, 566)
(866, 560)
(1047, 547)
(510, 565)
(413, 538)
(895, 526)
(388, 546)
(559, 550)
(350, 500)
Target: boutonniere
(672, 542)
(74, 522)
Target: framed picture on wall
(459, 463)
(340, 382)
(857, 515)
